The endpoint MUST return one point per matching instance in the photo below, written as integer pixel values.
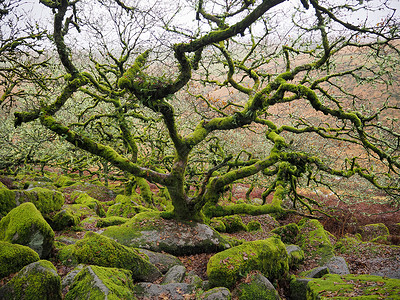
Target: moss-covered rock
(63, 219)
(220, 293)
(254, 225)
(26, 226)
(176, 291)
(288, 233)
(373, 231)
(256, 286)
(218, 225)
(150, 231)
(79, 212)
(7, 200)
(332, 286)
(295, 256)
(38, 280)
(267, 256)
(233, 223)
(102, 251)
(315, 241)
(95, 282)
(125, 210)
(45, 200)
(14, 257)
(64, 181)
(162, 261)
(111, 221)
(85, 199)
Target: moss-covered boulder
(218, 225)
(162, 261)
(332, 286)
(150, 231)
(63, 219)
(218, 293)
(45, 200)
(111, 221)
(99, 250)
(26, 226)
(125, 210)
(254, 225)
(64, 181)
(7, 200)
(256, 286)
(232, 223)
(85, 199)
(295, 256)
(95, 282)
(315, 241)
(288, 233)
(14, 257)
(267, 256)
(176, 291)
(373, 231)
(38, 280)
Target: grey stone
(174, 275)
(218, 293)
(295, 255)
(258, 286)
(162, 261)
(176, 238)
(298, 288)
(69, 278)
(337, 265)
(174, 291)
(316, 272)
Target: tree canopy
(195, 96)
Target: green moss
(7, 202)
(14, 257)
(102, 251)
(64, 181)
(373, 231)
(38, 280)
(45, 200)
(64, 219)
(79, 211)
(288, 233)
(218, 225)
(67, 257)
(94, 282)
(256, 290)
(254, 225)
(25, 225)
(131, 229)
(111, 221)
(314, 241)
(268, 256)
(126, 210)
(85, 199)
(334, 286)
(233, 223)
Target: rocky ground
(367, 250)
